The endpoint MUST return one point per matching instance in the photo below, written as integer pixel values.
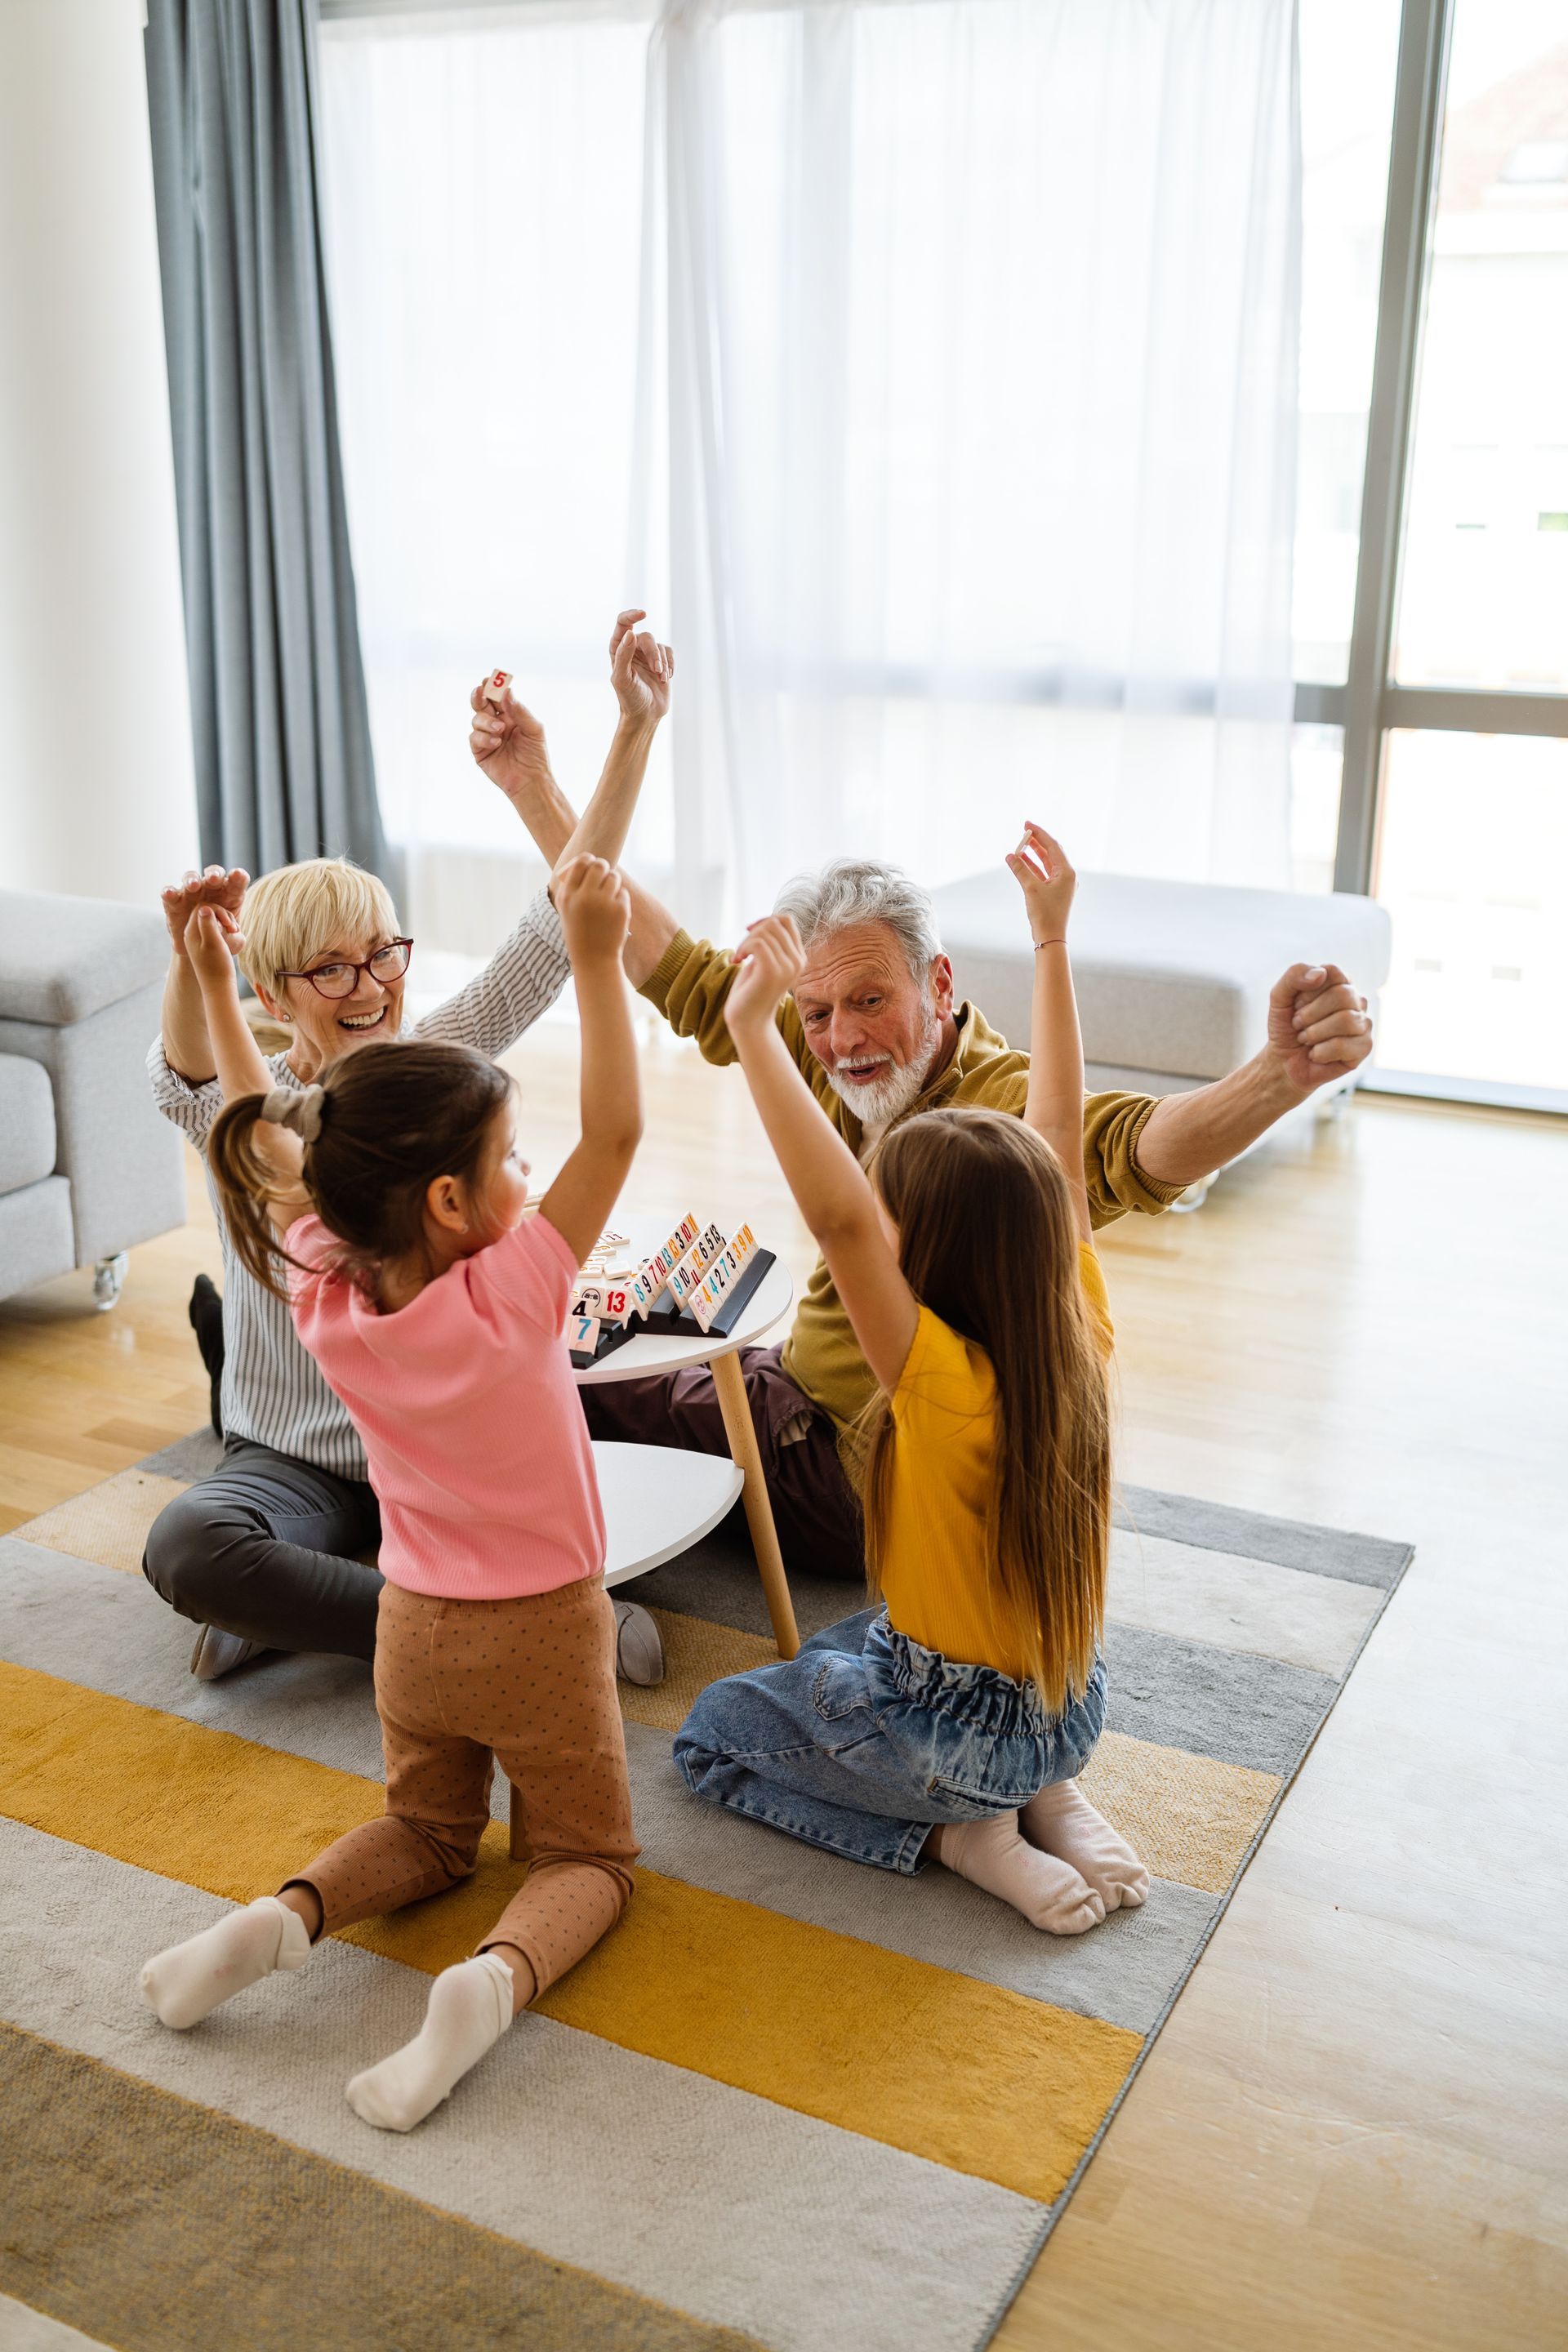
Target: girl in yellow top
(953, 1719)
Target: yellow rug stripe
(1190, 1818)
(967, 2074)
(1187, 1817)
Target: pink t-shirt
(478, 1452)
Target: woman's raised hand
(595, 910)
(218, 886)
(768, 962)
(1039, 867)
(641, 669)
(506, 739)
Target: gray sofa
(87, 1165)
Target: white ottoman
(1172, 978)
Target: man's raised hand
(219, 886)
(641, 669)
(768, 962)
(506, 739)
(1319, 1026)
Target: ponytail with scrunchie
(248, 1179)
(300, 1110)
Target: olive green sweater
(822, 1354)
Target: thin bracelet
(1051, 943)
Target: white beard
(889, 1096)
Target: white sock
(1060, 1821)
(188, 1980)
(1050, 1894)
(470, 2008)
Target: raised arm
(1319, 1027)
(829, 1185)
(241, 1065)
(642, 672)
(508, 742)
(186, 1046)
(595, 915)
(1054, 1106)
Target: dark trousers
(263, 1547)
(815, 1507)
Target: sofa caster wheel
(109, 1280)
(1192, 1198)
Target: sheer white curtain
(483, 203)
(941, 357)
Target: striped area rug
(791, 2102)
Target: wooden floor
(1354, 2131)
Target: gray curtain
(277, 699)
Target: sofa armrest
(125, 1163)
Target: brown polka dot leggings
(529, 1683)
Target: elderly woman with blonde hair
(269, 1550)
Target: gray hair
(860, 890)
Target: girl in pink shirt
(390, 1200)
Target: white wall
(95, 788)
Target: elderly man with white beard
(875, 1029)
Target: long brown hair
(393, 1119)
(987, 1240)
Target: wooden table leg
(730, 1389)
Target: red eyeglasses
(338, 979)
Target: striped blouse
(272, 1392)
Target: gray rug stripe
(1289, 1543)
(1233, 1705)
(705, 2198)
(116, 1635)
(109, 1631)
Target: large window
(1484, 590)
(911, 393)
(1472, 816)
(1473, 867)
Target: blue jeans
(866, 1741)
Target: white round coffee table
(651, 1353)
(658, 1501)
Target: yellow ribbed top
(936, 1572)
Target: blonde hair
(290, 915)
(987, 1241)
